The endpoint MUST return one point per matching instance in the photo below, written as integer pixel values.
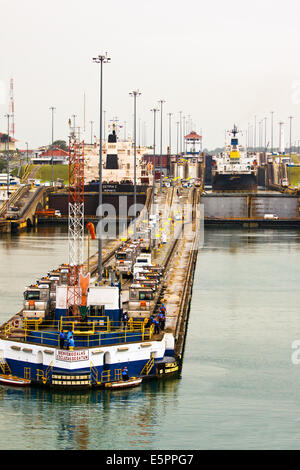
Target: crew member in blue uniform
(61, 339)
(156, 326)
(69, 336)
(125, 375)
(162, 320)
(71, 343)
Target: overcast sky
(219, 62)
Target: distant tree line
(61, 144)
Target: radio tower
(12, 108)
(76, 222)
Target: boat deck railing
(92, 332)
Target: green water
(239, 388)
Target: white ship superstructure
(118, 161)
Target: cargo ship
(234, 168)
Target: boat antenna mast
(235, 130)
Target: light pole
(170, 140)
(160, 160)
(134, 93)
(183, 135)
(91, 123)
(154, 110)
(27, 151)
(8, 166)
(265, 119)
(254, 133)
(52, 172)
(145, 135)
(101, 59)
(272, 112)
(248, 143)
(290, 118)
(180, 121)
(74, 116)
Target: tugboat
(234, 168)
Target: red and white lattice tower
(76, 222)
(12, 108)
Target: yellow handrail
(46, 376)
(105, 376)
(94, 372)
(147, 367)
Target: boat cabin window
(145, 295)
(121, 256)
(96, 310)
(32, 295)
(44, 294)
(141, 260)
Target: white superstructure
(234, 167)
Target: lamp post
(265, 119)
(160, 160)
(52, 172)
(91, 123)
(8, 166)
(272, 112)
(134, 93)
(290, 118)
(254, 133)
(180, 122)
(154, 110)
(27, 151)
(183, 136)
(101, 59)
(170, 140)
(74, 116)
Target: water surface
(239, 388)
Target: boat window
(120, 256)
(32, 295)
(44, 294)
(96, 310)
(144, 295)
(133, 294)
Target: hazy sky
(219, 62)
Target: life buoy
(15, 323)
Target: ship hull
(82, 369)
(234, 182)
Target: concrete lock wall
(283, 207)
(225, 207)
